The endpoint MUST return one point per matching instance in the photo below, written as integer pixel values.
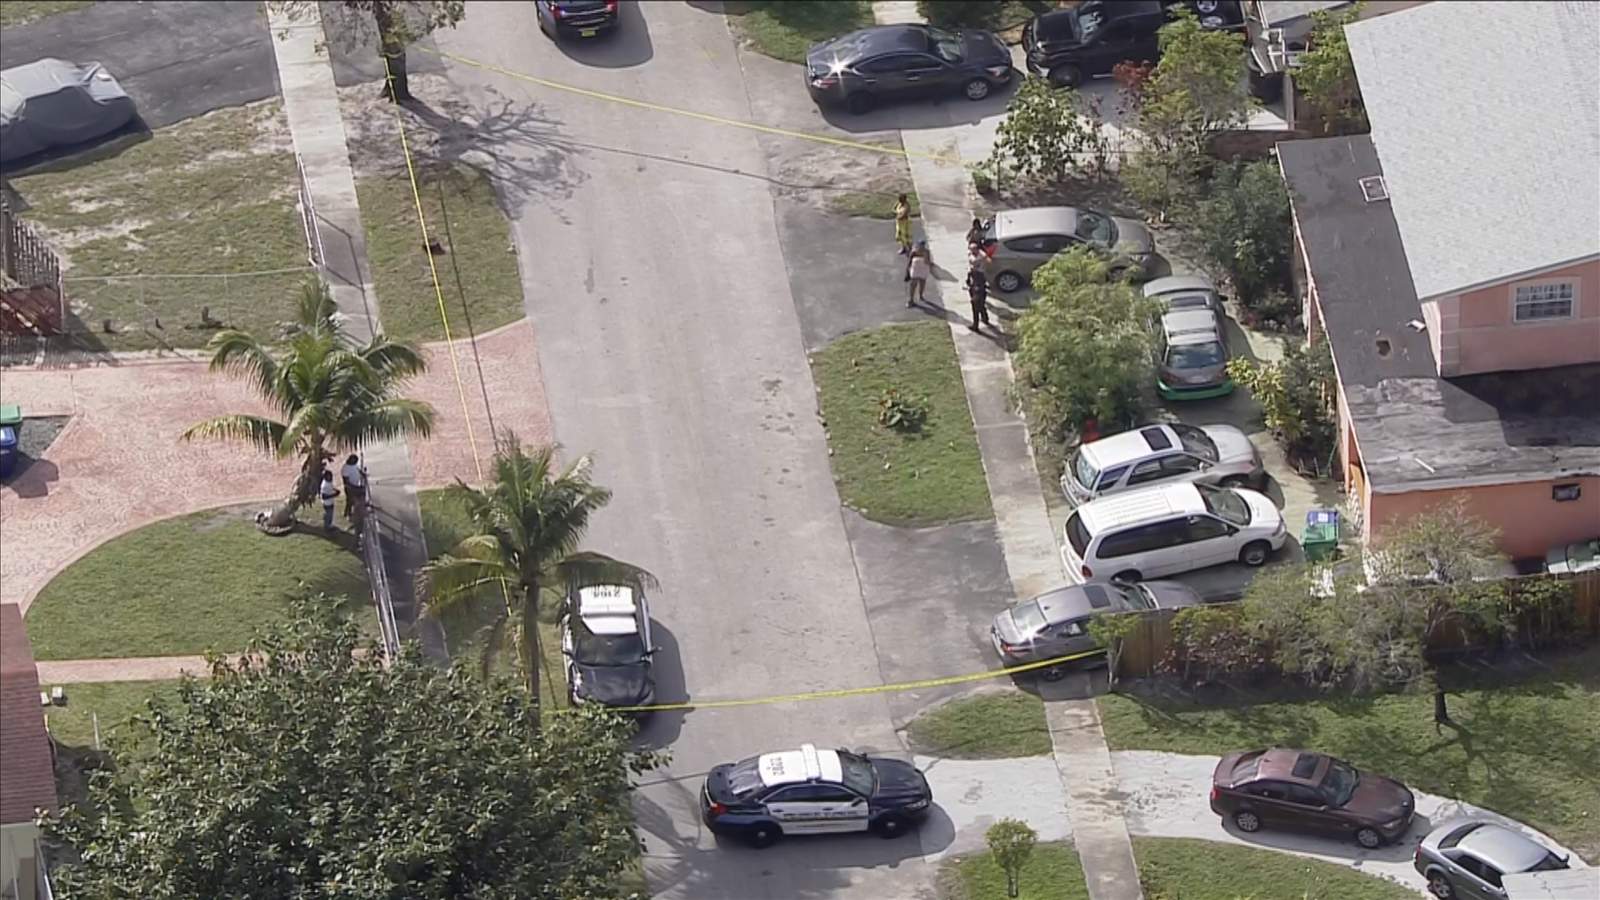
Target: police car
(811, 791)
(605, 639)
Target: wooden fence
(1147, 644)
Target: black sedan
(902, 62)
(811, 791)
(576, 18)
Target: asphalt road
(670, 347)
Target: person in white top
(917, 275)
(327, 492)
(355, 485)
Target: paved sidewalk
(141, 668)
(1021, 517)
(311, 104)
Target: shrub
(1048, 134)
(1210, 643)
(1327, 76)
(904, 413)
(1246, 228)
(1011, 843)
(1296, 397)
(960, 13)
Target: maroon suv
(1303, 791)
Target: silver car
(1056, 623)
(54, 103)
(1159, 454)
(1193, 356)
(1176, 292)
(1467, 860)
(1021, 240)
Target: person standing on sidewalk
(902, 224)
(355, 486)
(917, 275)
(327, 492)
(978, 292)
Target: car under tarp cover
(52, 103)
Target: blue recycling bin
(8, 450)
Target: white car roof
(608, 609)
(1126, 447)
(794, 766)
(1179, 284)
(1184, 321)
(1143, 505)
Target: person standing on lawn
(917, 275)
(327, 492)
(902, 224)
(978, 293)
(355, 486)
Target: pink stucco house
(1451, 259)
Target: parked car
(1179, 292)
(1021, 240)
(1158, 454)
(1069, 46)
(605, 640)
(811, 791)
(899, 62)
(1467, 860)
(1056, 623)
(1169, 529)
(55, 103)
(1296, 790)
(1192, 356)
(576, 18)
(1573, 558)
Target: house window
(1545, 300)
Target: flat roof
(1415, 430)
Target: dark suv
(1088, 41)
(576, 18)
(1301, 791)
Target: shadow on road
(625, 46)
(920, 114)
(661, 729)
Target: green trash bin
(11, 414)
(1320, 538)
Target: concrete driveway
(176, 60)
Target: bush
(1296, 396)
(1246, 226)
(1047, 134)
(960, 13)
(1327, 77)
(1211, 643)
(904, 413)
(1084, 346)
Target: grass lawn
(212, 195)
(444, 524)
(930, 476)
(478, 274)
(1051, 873)
(871, 204)
(112, 702)
(784, 29)
(990, 725)
(1185, 869)
(1526, 746)
(206, 581)
(21, 12)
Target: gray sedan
(1468, 860)
(1178, 292)
(1056, 623)
(54, 103)
(1021, 240)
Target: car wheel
(1369, 838)
(1066, 76)
(1247, 821)
(1128, 575)
(1234, 481)
(1255, 553)
(1008, 282)
(763, 835)
(890, 826)
(860, 103)
(1053, 673)
(976, 89)
(1440, 886)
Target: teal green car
(1192, 359)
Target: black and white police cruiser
(811, 791)
(605, 639)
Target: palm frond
(237, 352)
(495, 638)
(453, 581)
(394, 361)
(588, 567)
(263, 434)
(316, 309)
(392, 418)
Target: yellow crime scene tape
(692, 114)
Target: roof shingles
(27, 772)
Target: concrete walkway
(1021, 517)
(140, 668)
(311, 104)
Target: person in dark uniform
(978, 292)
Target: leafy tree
(1046, 134)
(315, 770)
(1327, 77)
(530, 522)
(396, 23)
(1296, 396)
(1011, 843)
(1214, 641)
(960, 13)
(1085, 344)
(1246, 227)
(1111, 631)
(330, 393)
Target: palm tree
(330, 393)
(530, 522)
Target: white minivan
(1158, 531)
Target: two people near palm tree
(354, 476)
(328, 491)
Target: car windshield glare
(1029, 617)
(859, 776)
(1095, 228)
(1083, 470)
(1195, 356)
(744, 778)
(606, 649)
(1225, 504)
(1137, 597)
(1550, 863)
(1196, 441)
(1339, 785)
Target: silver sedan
(1021, 240)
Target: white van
(1173, 528)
